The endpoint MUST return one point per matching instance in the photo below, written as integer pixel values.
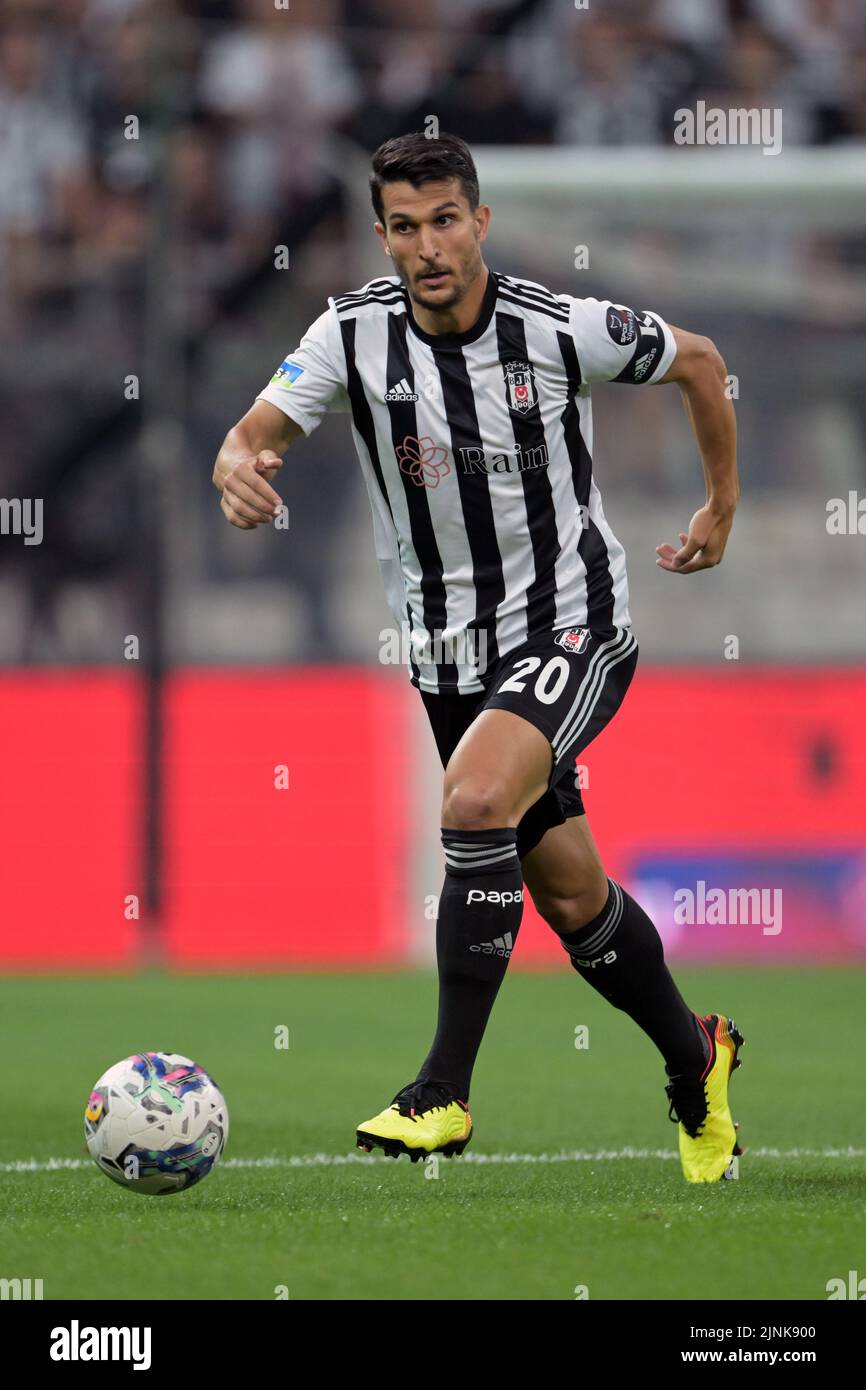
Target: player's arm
(250, 456)
(302, 390)
(700, 373)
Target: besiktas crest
(520, 383)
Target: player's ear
(380, 233)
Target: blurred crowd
(254, 89)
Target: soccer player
(469, 397)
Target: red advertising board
(288, 816)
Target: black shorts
(569, 683)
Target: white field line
(55, 1165)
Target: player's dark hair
(416, 159)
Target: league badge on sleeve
(574, 639)
(621, 324)
(286, 375)
(520, 381)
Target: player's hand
(704, 545)
(247, 499)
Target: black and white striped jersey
(476, 449)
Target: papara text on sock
(476, 896)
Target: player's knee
(475, 806)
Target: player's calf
(620, 953)
(480, 909)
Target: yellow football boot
(708, 1135)
(424, 1118)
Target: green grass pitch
(619, 1220)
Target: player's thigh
(569, 692)
(500, 767)
(565, 875)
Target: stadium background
(160, 666)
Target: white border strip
(56, 1165)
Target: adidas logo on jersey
(499, 946)
(401, 392)
(643, 364)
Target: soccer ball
(156, 1123)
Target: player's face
(434, 239)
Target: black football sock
(479, 916)
(620, 954)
